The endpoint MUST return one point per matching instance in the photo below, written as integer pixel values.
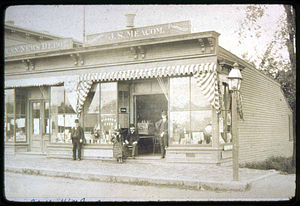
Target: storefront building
(129, 77)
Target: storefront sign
(55, 45)
(123, 110)
(227, 147)
(161, 30)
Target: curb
(187, 184)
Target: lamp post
(234, 81)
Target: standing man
(77, 135)
(162, 128)
(132, 139)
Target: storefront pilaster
(215, 133)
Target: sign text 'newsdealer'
(47, 46)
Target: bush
(283, 164)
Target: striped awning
(207, 80)
(204, 73)
(83, 88)
(148, 72)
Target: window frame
(190, 110)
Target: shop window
(9, 120)
(92, 114)
(180, 128)
(62, 116)
(20, 116)
(199, 121)
(190, 113)
(108, 111)
(198, 101)
(179, 93)
(46, 118)
(100, 113)
(36, 116)
(109, 98)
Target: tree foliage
(270, 61)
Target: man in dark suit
(162, 128)
(77, 135)
(132, 139)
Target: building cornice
(144, 42)
(81, 68)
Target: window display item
(146, 128)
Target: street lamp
(235, 78)
(234, 81)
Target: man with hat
(162, 128)
(77, 135)
(132, 139)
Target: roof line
(246, 64)
(250, 66)
(39, 33)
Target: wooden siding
(265, 129)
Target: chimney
(10, 22)
(129, 20)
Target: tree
(271, 62)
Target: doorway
(148, 109)
(39, 125)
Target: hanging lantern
(235, 78)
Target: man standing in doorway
(162, 128)
(77, 135)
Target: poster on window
(36, 126)
(47, 126)
(60, 120)
(69, 120)
(20, 122)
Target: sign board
(227, 147)
(123, 110)
(46, 46)
(162, 30)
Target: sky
(67, 20)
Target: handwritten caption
(63, 200)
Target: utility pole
(235, 80)
(235, 152)
(83, 26)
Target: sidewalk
(155, 172)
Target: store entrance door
(36, 138)
(148, 109)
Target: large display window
(100, 113)
(62, 116)
(190, 113)
(20, 116)
(9, 121)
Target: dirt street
(40, 188)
